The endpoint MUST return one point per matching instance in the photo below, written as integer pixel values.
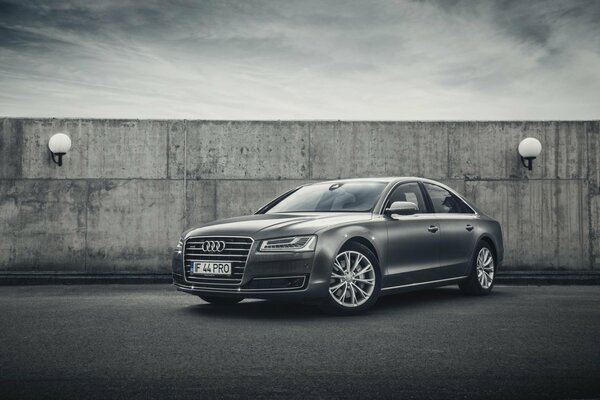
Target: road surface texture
(149, 341)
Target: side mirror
(402, 208)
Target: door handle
(433, 229)
(469, 227)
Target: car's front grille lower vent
(223, 249)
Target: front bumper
(286, 275)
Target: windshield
(327, 197)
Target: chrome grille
(236, 251)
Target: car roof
(388, 179)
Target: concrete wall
(128, 187)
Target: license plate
(212, 268)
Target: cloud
(274, 59)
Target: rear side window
(445, 202)
(408, 192)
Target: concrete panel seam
(310, 166)
(580, 217)
(479, 179)
(448, 163)
(168, 150)
(216, 121)
(591, 236)
(465, 179)
(556, 149)
(133, 178)
(85, 243)
(215, 199)
(185, 214)
(587, 151)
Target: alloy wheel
(352, 279)
(485, 268)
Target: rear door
(457, 230)
(413, 240)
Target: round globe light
(59, 143)
(530, 148)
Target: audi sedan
(341, 244)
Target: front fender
(332, 240)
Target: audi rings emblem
(213, 246)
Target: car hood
(261, 226)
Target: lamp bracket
(527, 162)
(59, 155)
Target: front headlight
(292, 243)
(179, 246)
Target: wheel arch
(365, 242)
(483, 239)
(487, 239)
(373, 238)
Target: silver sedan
(341, 244)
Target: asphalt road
(149, 341)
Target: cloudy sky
(276, 59)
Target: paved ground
(148, 341)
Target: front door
(413, 240)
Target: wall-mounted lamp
(529, 149)
(59, 144)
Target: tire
(355, 290)
(221, 301)
(480, 281)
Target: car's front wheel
(483, 271)
(221, 301)
(355, 281)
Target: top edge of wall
(304, 120)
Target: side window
(408, 192)
(445, 202)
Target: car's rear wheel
(483, 271)
(220, 301)
(355, 281)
